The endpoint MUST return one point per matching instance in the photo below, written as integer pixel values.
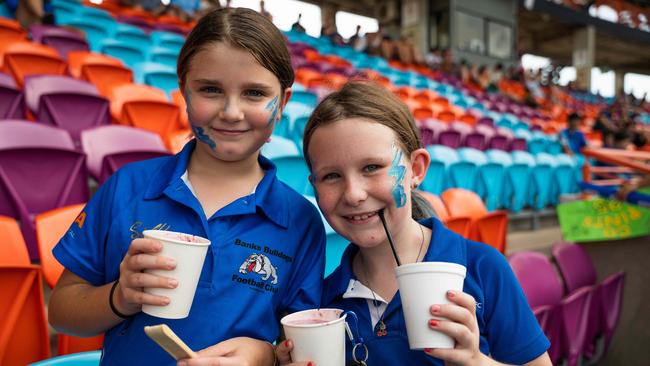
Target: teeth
(361, 217)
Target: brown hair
(362, 99)
(242, 28)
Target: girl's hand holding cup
(142, 255)
(283, 353)
(460, 323)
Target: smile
(228, 132)
(361, 218)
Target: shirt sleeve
(307, 277)
(513, 333)
(81, 250)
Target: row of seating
(578, 314)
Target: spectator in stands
(366, 159)
(297, 27)
(495, 77)
(376, 39)
(447, 65)
(632, 185)
(330, 31)
(571, 138)
(433, 58)
(235, 73)
(30, 12)
(265, 12)
(358, 41)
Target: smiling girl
(365, 157)
(236, 76)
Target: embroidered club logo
(260, 264)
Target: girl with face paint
(365, 157)
(267, 241)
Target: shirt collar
(445, 246)
(270, 195)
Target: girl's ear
(420, 160)
(287, 96)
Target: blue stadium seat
(517, 176)
(460, 174)
(96, 33)
(128, 53)
(163, 55)
(490, 182)
(553, 146)
(278, 147)
(293, 171)
(540, 188)
(537, 145)
(167, 40)
(158, 75)
(305, 97)
(130, 33)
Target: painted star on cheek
(199, 132)
(273, 106)
(398, 171)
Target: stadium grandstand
(547, 164)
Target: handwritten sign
(602, 219)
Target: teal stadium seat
(128, 53)
(76, 359)
(305, 97)
(516, 182)
(540, 185)
(293, 171)
(279, 147)
(131, 34)
(490, 182)
(459, 174)
(157, 75)
(162, 55)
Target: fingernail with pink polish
(435, 309)
(433, 323)
(451, 293)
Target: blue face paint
(273, 106)
(199, 132)
(398, 171)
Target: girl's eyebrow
(256, 86)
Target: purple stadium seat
(65, 42)
(579, 272)
(518, 144)
(543, 288)
(110, 147)
(65, 102)
(476, 140)
(450, 138)
(430, 129)
(499, 142)
(463, 128)
(39, 170)
(39, 30)
(12, 101)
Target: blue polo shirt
(510, 332)
(574, 139)
(274, 221)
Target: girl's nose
(355, 192)
(231, 111)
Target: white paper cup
(189, 253)
(318, 335)
(420, 286)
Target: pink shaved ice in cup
(189, 253)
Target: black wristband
(112, 305)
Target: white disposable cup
(322, 343)
(420, 286)
(189, 253)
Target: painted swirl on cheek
(398, 171)
(273, 106)
(199, 132)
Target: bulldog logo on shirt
(260, 264)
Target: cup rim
(448, 267)
(162, 235)
(341, 317)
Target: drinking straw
(390, 238)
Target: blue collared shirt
(274, 221)
(509, 331)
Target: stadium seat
(77, 59)
(450, 138)
(24, 335)
(109, 147)
(167, 40)
(128, 53)
(293, 171)
(12, 101)
(62, 39)
(131, 34)
(75, 359)
(163, 56)
(13, 250)
(65, 102)
(11, 30)
(157, 75)
(95, 32)
(539, 189)
(487, 227)
(307, 98)
(278, 147)
(579, 272)
(517, 175)
(22, 59)
(458, 224)
(491, 178)
(145, 107)
(458, 173)
(29, 153)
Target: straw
(390, 238)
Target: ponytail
(420, 207)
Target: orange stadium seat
(106, 77)
(446, 116)
(77, 59)
(487, 227)
(422, 113)
(24, 334)
(145, 107)
(467, 118)
(24, 58)
(11, 30)
(304, 75)
(177, 98)
(50, 227)
(13, 250)
(460, 225)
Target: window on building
(499, 40)
(471, 30)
